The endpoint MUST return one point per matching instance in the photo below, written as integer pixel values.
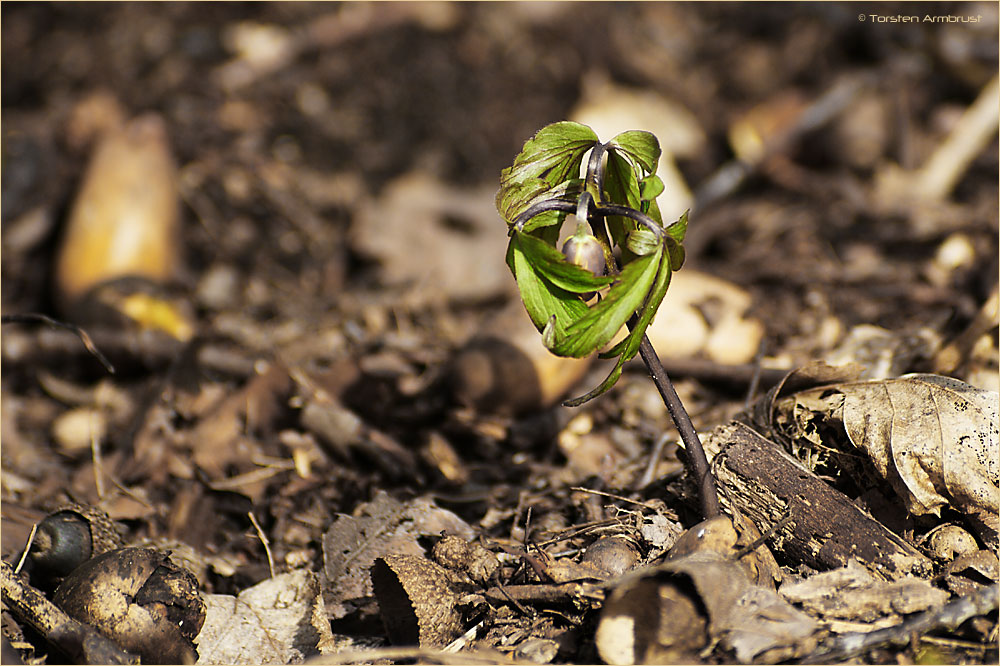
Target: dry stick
(697, 462)
(948, 616)
(30, 318)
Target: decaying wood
(825, 529)
(948, 616)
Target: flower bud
(585, 251)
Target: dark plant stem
(696, 459)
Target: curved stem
(625, 211)
(603, 210)
(696, 458)
(595, 174)
(542, 207)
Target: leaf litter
(296, 232)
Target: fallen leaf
(439, 238)
(933, 438)
(379, 528)
(280, 620)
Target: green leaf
(677, 230)
(629, 347)
(640, 146)
(650, 187)
(675, 253)
(550, 264)
(547, 159)
(601, 322)
(641, 241)
(547, 304)
(620, 181)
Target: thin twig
(263, 540)
(654, 461)
(644, 505)
(95, 453)
(27, 548)
(32, 318)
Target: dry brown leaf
(435, 237)
(378, 528)
(853, 593)
(279, 621)
(933, 438)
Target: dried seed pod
(70, 536)
(416, 601)
(141, 600)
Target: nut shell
(141, 600)
(70, 536)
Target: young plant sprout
(615, 207)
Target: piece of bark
(826, 529)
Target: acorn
(614, 554)
(70, 536)
(140, 599)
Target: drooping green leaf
(595, 328)
(640, 146)
(621, 188)
(650, 187)
(629, 347)
(641, 241)
(675, 253)
(620, 181)
(544, 301)
(677, 230)
(550, 263)
(626, 349)
(548, 159)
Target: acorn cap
(71, 535)
(416, 601)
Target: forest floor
(299, 407)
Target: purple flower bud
(585, 251)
